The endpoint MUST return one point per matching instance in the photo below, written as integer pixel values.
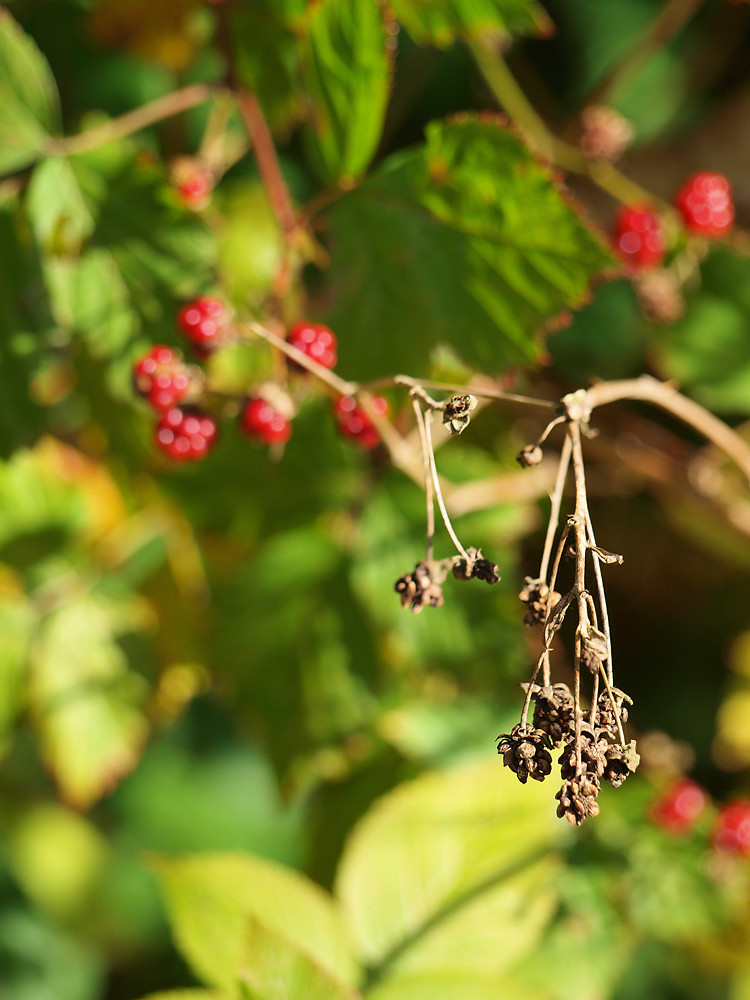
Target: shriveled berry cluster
(424, 585)
(591, 751)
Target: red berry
(201, 321)
(261, 421)
(639, 236)
(161, 377)
(732, 829)
(705, 201)
(185, 435)
(316, 341)
(192, 180)
(354, 422)
(679, 806)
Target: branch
(664, 395)
(541, 140)
(134, 121)
(268, 162)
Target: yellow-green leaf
(275, 969)
(211, 897)
(28, 97)
(86, 702)
(453, 871)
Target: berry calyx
(639, 236)
(705, 201)
(731, 833)
(186, 435)
(193, 181)
(354, 422)
(316, 341)
(201, 321)
(259, 420)
(161, 377)
(678, 807)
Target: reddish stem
(268, 161)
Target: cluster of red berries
(680, 805)
(161, 377)
(354, 422)
(183, 433)
(705, 203)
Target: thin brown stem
(555, 505)
(512, 98)
(438, 492)
(428, 484)
(331, 379)
(574, 433)
(134, 121)
(603, 613)
(268, 162)
(511, 397)
(664, 395)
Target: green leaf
(89, 297)
(441, 22)
(25, 322)
(707, 351)
(267, 52)
(275, 969)
(191, 995)
(28, 97)
(16, 621)
(470, 235)
(38, 511)
(210, 898)
(86, 702)
(347, 74)
(59, 213)
(452, 872)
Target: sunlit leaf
(466, 240)
(28, 97)
(191, 995)
(16, 621)
(347, 71)
(58, 211)
(447, 870)
(58, 858)
(89, 297)
(441, 22)
(86, 701)
(211, 896)
(274, 969)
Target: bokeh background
(209, 657)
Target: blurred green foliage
(214, 715)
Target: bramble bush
(329, 329)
